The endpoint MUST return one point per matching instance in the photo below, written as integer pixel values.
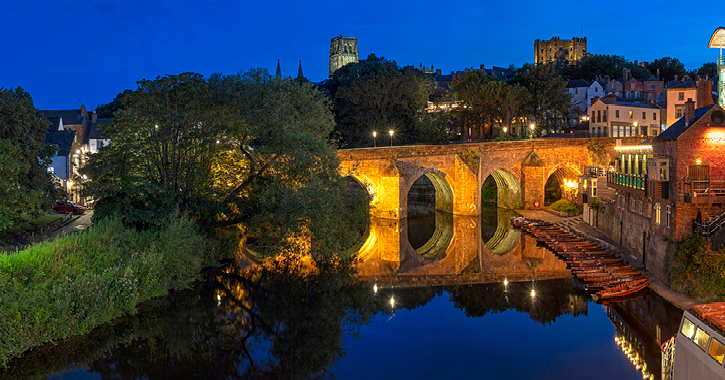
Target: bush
(67, 287)
(698, 271)
(564, 205)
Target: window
(612, 86)
(604, 116)
(593, 116)
(701, 338)
(681, 96)
(657, 213)
(599, 116)
(636, 94)
(679, 111)
(688, 328)
(652, 87)
(654, 115)
(648, 209)
(668, 212)
(657, 169)
(596, 89)
(616, 114)
(649, 97)
(641, 207)
(632, 204)
(633, 86)
(717, 351)
(631, 114)
(644, 116)
(629, 95)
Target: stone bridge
(520, 169)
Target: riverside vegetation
(68, 287)
(697, 270)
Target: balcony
(658, 190)
(704, 191)
(633, 184)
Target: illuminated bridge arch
(508, 189)
(443, 190)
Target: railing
(637, 182)
(711, 226)
(597, 171)
(704, 188)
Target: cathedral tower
(343, 50)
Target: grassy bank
(698, 271)
(67, 287)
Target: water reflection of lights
(392, 302)
(533, 292)
(375, 288)
(629, 349)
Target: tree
(708, 69)
(668, 68)
(106, 111)
(374, 94)
(592, 66)
(24, 156)
(488, 101)
(242, 151)
(547, 101)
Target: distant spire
(299, 71)
(278, 75)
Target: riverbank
(67, 287)
(581, 228)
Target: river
(435, 297)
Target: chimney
(658, 74)
(676, 77)
(94, 117)
(704, 93)
(453, 75)
(624, 74)
(689, 110)
(438, 71)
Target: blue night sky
(70, 52)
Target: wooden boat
(623, 289)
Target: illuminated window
(717, 351)
(631, 114)
(688, 328)
(657, 213)
(701, 338)
(657, 169)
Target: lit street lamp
(532, 126)
(391, 138)
(375, 139)
(635, 132)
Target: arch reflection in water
(497, 231)
(456, 248)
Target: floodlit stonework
(343, 50)
(558, 50)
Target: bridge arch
(565, 178)
(508, 189)
(367, 184)
(443, 190)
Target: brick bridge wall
(389, 173)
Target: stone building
(610, 117)
(558, 50)
(343, 50)
(668, 188)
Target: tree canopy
(242, 150)
(547, 102)
(668, 67)
(374, 94)
(25, 184)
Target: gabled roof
(679, 84)
(576, 83)
(652, 78)
(63, 139)
(680, 126)
(54, 124)
(95, 131)
(69, 116)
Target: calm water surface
(437, 297)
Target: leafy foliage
(25, 186)
(67, 287)
(697, 270)
(243, 151)
(547, 102)
(374, 94)
(668, 67)
(564, 205)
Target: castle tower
(561, 51)
(343, 50)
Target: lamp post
(635, 132)
(375, 139)
(532, 126)
(505, 130)
(391, 138)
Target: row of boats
(602, 272)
